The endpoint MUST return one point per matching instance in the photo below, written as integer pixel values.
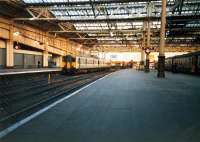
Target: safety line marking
(29, 71)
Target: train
(81, 64)
(186, 63)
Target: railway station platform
(27, 71)
(125, 106)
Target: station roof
(102, 23)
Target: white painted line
(28, 71)
(27, 119)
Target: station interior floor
(125, 106)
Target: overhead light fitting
(16, 33)
(36, 42)
(78, 49)
(111, 34)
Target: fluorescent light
(111, 34)
(78, 49)
(36, 42)
(16, 33)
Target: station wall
(27, 59)
(11, 32)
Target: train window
(82, 61)
(199, 61)
(89, 61)
(187, 60)
(79, 60)
(190, 59)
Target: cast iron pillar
(45, 52)
(142, 61)
(161, 66)
(9, 49)
(161, 57)
(147, 63)
(147, 50)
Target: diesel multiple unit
(84, 64)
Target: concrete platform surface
(127, 106)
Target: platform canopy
(115, 23)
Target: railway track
(30, 99)
(14, 84)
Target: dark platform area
(127, 106)
(26, 71)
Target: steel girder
(42, 4)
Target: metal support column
(143, 46)
(161, 57)
(10, 50)
(148, 46)
(45, 53)
(142, 60)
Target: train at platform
(186, 63)
(81, 64)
